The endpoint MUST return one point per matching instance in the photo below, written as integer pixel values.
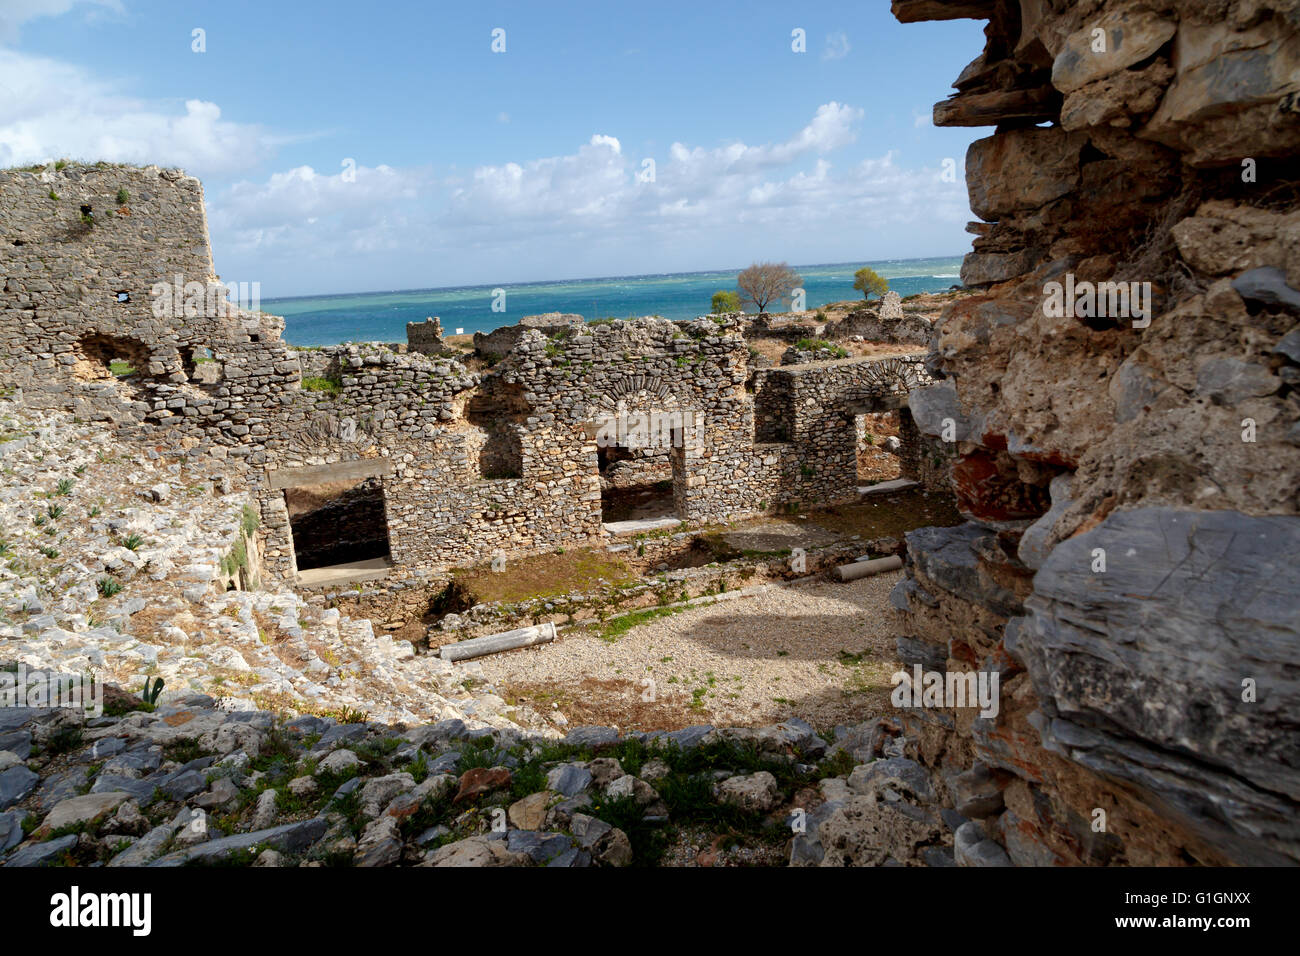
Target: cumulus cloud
(559, 214)
(359, 209)
(585, 184)
(837, 46)
(831, 128)
(14, 13)
(51, 109)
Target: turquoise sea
(382, 316)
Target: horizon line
(643, 275)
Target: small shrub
(151, 691)
(107, 587)
(132, 542)
(725, 301)
(63, 740)
(123, 197)
(250, 521)
(319, 383)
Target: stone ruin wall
(470, 463)
(1172, 448)
(425, 337)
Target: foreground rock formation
(189, 784)
(1129, 476)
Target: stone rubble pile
(191, 784)
(122, 571)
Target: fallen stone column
(863, 569)
(493, 643)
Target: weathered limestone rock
(891, 305)
(1181, 651)
(82, 809)
(1021, 170)
(753, 792)
(1142, 464)
(476, 851)
(864, 832)
(1230, 89)
(1129, 36)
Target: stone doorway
(641, 476)
(337, 521)
(879, 442)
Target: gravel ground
(821, 651)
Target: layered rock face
(1122, 396)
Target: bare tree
(766, 282)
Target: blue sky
(475, 167)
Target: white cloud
(359, 210)
(837, 46)
(50, 109)
(585, 212)
(588, 183)
(14, 13)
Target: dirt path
(820, 651)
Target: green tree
(725, 301)
(867, 280)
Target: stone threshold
(884, 487)
(639, 525)
(353, 572)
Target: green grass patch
(613, 629)
(320, 383)
(546, 575)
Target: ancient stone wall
(425, 337)
(115, 313)
(89, 278)
(499, 342)
(1129, 473)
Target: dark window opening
(500, 416)
(124, 297)
(773, 411)
(338, 523)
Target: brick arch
(892, 376)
